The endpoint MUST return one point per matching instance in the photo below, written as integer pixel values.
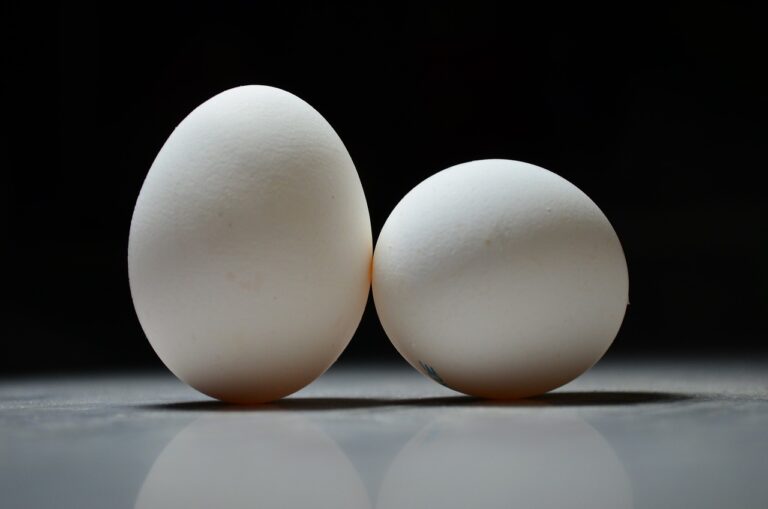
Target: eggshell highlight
(250, 247)
(499, 279)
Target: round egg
(250, 247)
(499, 279)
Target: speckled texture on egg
(499, 279)
(250, 246)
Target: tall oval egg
(250, 247)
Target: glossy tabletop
(641, 434)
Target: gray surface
(623, 435)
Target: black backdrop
(658, 115)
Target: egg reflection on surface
(261, 461)
(501, 460)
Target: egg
(499, 279)
(250, 247)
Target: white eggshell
(250, 247)
(499, 279)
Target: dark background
(658, 114)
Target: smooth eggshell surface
(250, 247)
(499, 279)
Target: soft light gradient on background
(657, 114)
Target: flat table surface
(626, 434)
